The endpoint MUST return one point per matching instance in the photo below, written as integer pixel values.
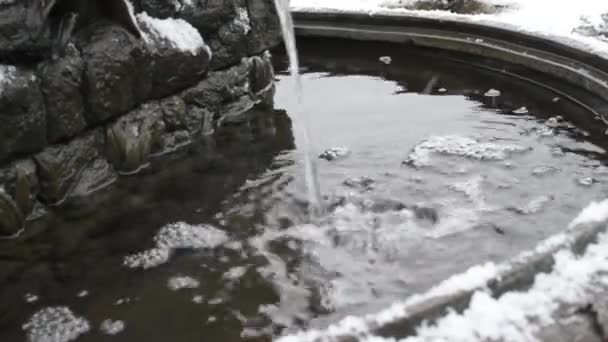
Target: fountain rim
(574, 66)
(571, 65)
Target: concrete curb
(576, 67)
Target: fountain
(455, 156)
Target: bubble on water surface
(176, 236)
(55, 324)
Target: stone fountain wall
(70, 125)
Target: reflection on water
(219, 241)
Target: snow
(177, 33)
(515, 316)
(55, 324)
(595, 212)
(176, 236)
(518, 316)
(556, 20)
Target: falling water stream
(302, 124)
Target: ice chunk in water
(176, 236)
(492, 93)
(55, 324)
(110, 327)
(386, 60)
(522, 110)
(179, 283)
(335, 153)
(453, 145)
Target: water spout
(303, 126)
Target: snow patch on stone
(595, 212)
(518, 316)
(7, 74)
(177, 33)
(242, 20)
(55, 324)
(176, 236)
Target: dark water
(487, 184)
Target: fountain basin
(436, 162)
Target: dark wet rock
(20, 182)
(265, 26)
(22, 113)
(227, 93)
(262, 73)
(230, 43)
(112, 81)
(24, 35)
(62, 169)
(335, 153)
(61, 85)
(134, 137)
(11, 218)
(174, 113)
(167, 68)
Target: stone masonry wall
(71, 125)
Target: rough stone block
(22, 113)
(112, 73)
(134, 137)
(61, 169)
(61, 85)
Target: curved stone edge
(576, 67)
(455, 293)
(95, 158)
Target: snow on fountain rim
(508, 317)
(177, 32)
(526, 16)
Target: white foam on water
(182, 282)
(176, 236)
(178, 33)
(55, 324)
(110, 327)
(7, 74)
(453, 145)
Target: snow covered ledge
(576, 63)
(563, 272)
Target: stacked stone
(70, 124)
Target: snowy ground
(582, 23)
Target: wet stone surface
(214, 243)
